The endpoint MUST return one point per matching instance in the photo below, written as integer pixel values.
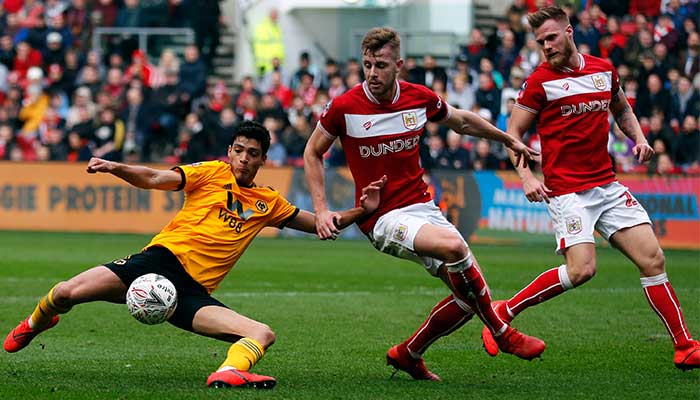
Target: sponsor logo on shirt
(367, 125)
(583, 107)
(392, 146)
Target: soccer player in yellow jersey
(223, 211)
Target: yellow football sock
(45, 311)
(243, 354)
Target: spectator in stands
(687, 154)
(279, 90)
(223, 132)
(483, 158)
(660, 129)
(461, 94)
(665, 32)
(268, 43)
(428, 73)
(194, 142)
(690, 58)
(57, 24)
(337, 86)
(298, 110)
(487, 94)
(517, 77)
(140, 68)
(25, 58)
(506, 54)
(665, 166)
(306, 89)
(637, 44)
(486, 67)
(620, 149)
(78, 21)
(129, 16)
(655, 97)
(276, 154)
(107, 11)
(530, 55)
(586, 33)
(305, 67)
(193, 73)
(170, 105)
(265, 82)
(7, 51)
(7, 140)
(109, 136)
(53, 8)
(137, 118)
(31, 15)
(206, 20)
(476, 49)
(331, 69)
(114, 86)
(294, 140)
(685, 100)
(271, 108)
(53, 52)
(495, 39)
(431, 159)
(455, 156)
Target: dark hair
(253, 130)
(377, 38)
(537, 18)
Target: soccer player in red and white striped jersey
(379, 124)
(569, 97)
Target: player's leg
(200, 313)
(640, 245)
(573, 217)
(468, 285)
(98, 283)
(446, 317)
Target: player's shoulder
(215, 164)
(596, 63)
(414, 89)
(350, 97)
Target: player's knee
(265, 335)
(453, 249)
(656, 263)
(582, 272)
(63, 294)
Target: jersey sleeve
(332, 121)
(437, 109)
(615, 81)
(531, 97)
(281, 212)
(198, 174)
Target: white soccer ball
(151, 299)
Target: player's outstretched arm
(139, 176)
(629, 125)
(468, 123)
(369, 201)
(534, 189)
(316, 146)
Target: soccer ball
(151, 299)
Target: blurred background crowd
(63, 98)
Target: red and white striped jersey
(383, 139)
(572, 121)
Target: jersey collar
(370, 96)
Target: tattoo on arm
(624, 116)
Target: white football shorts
(396, 230)
(607, 209)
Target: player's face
(381, 69)
(246, 159)
(556, 40)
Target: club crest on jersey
(261, 206)
(574, 225)
(400, 232)
(599, 81)
(410, 120)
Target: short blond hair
(539, 17)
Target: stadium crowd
(60, 99)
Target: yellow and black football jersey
(218, 220)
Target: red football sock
(663, 301)
(446, 317)
(549, 284)
(471, 288)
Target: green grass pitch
(336, 308)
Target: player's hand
(523, 154)
(327, 224)
(99, 165)
(369, 200)
(643, 152)
(536, 191)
